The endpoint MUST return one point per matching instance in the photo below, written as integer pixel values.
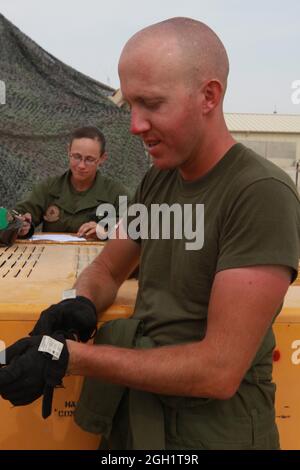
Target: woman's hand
(92, 230)
(27, 220)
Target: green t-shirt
(251, 217)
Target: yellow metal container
(33, 276)
(286, 372)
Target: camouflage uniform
(60, 208)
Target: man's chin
(163, 164)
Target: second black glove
(71, 316)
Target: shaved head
(197, 49)
(173, 75)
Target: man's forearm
(184, 370)
(97, 285)
(101, 280)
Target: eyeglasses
(86, 160)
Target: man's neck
(212, 150)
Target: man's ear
(213, 95)
(103, 157)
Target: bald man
(195, 360)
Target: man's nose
(138, 123)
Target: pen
(16, 213)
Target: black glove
(30, 373)
(71, 317)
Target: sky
(262, 38)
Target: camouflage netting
(45, 101)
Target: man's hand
(73, 317)
(27, 221)
(31, 373)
